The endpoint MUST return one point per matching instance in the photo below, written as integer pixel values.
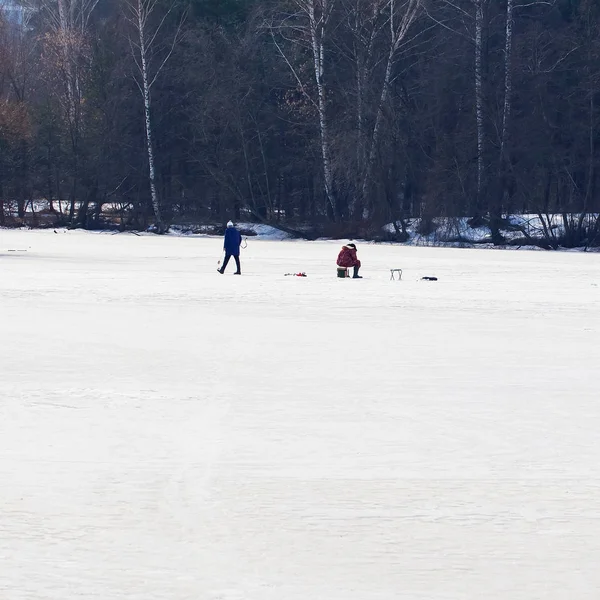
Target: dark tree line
(340, 114)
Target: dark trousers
(237, 262)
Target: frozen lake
(168, 433)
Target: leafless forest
(334, 116)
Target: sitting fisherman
(347, 258)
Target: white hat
(229, 224)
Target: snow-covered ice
(170, 433)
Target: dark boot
(356, 275)
(237, 263)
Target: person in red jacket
(347, 258)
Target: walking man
(231, 245)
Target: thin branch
(150, 42)
(533, 4)
(442, 24)
(299, 81)
(134, 55)
(176, 38)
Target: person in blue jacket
(231, 245)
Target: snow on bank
(266, 232)
(168, 432)
(529, 232)
(446, 232)
(456, 231)
(258, 230)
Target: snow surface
(170, 433)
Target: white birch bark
(143, 50)
(147, 117)
(317, 26)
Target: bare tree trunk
(160, 227)
(143, 50)
(67, 27)
(71, 25)
(507, 78)
(479, 21)
(84, 205)
(364, 33)
(317, 26)
(373, 144)
(246, 160)
(265, 169)
(504, 158)
(398, 32)
(317, 13)
(360, 122)
(592, 151)
(2, 216)
(360, 108)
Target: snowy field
(167, 433)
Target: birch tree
(150, 61)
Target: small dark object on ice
(296, 274)
(430, 278)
